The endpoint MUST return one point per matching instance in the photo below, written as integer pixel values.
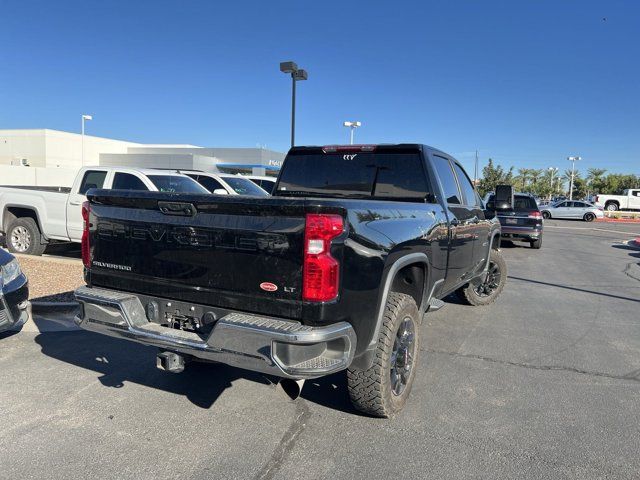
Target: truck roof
(370, 147)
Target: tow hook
(170, 362)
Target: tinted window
(561, 205)
(176, 184)
(92, 179)
(448, 180)
(365, 174)
(520, 203)
(126, 181)
(467, 187)
(267, 185)
(209, 183)
(243, 186)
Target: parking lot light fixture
(297, 74)
(352, 126)
(573, 161)
(84, 117)
(553, 171)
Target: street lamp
(553, 171)
(84, 117)
(297, 74)
(573, 161)
(352, 126)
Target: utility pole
(475, 172)
(573, 161)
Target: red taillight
(596, 200)
(86, 247)
(535, 215)
(320, 271)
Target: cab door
(93, 178)
(479, 225)
(634, 199)
(462, 225)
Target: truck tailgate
(231, 252)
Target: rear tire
(589, 217)
(537, 244)
(383, 389)
(546, 215)
(484, 293)
(612, 206)
(23, 236)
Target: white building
(53, 149)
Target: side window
(92, 179)
(126, 181)
(470, 196)
(636, 193)
(562, 205)
(400, 176)
(448, 180)
(209, 183)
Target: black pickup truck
(333, 272)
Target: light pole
(297, 74)
(352, 126)
(84, 117)
(573, 161)
(553, 171)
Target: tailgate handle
(177, 208)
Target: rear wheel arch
(612, 203)
(13, 212)
(409, 266)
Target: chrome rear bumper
(269, 345)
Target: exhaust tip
(290, 388)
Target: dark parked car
(332, 272)
(521, 222)
(14, 293)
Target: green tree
(493, 175)
(596, 180)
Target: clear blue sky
(524, 82)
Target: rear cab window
(521, 203)
(384, 173)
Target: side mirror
(220, 191)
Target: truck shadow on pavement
(119, 361)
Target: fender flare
(7, 206)
(365, 359)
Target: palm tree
(524, 173)
(567, 175)
(595, 179)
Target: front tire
(383, 389)
(23, 236)
(489, 289)
(546, 215)
(589, 217)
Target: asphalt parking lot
(545, 383)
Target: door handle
(74, 203)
